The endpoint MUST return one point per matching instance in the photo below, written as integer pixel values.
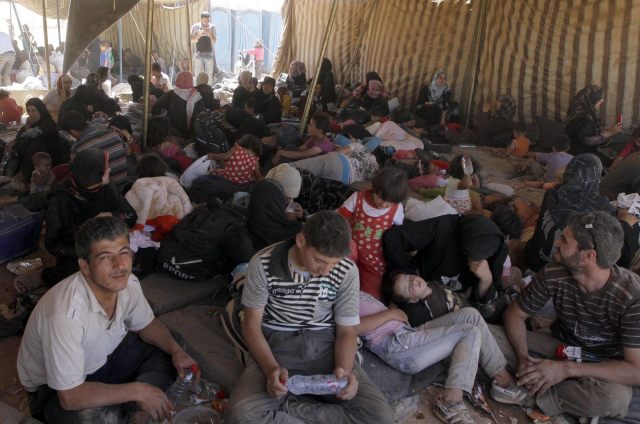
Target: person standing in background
(204, 34)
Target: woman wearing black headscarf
(583, 122)
(328, 85)
(494, 125)
(464, 254)
(37, 135)
(579, 192)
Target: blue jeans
(304, 352)
(370, 143)
(462, 336)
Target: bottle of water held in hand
(467, 165)
(178, 393)
(316, 384)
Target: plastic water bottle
(179, 392)
(316, 384)
(467, 165)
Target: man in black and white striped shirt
(300, 315)
(598, 309)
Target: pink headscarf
(184, 79)
(375, 89)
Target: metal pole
(189, 50)
(120, 46)
(58, 18)
(479, 33)
(147, 72)
(46, 42)
(323, 49)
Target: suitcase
(19, 232)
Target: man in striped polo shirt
(598, 310)
(97, 135)
(301, 312)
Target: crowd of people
(328, 263)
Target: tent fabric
(406, 42)
(170, 29)
(540, 52)
(87, 19)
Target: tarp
(541, 52)
(87, 20)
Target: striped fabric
(604, 322)
(540, 52)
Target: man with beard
(597, 305)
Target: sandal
(456, 413)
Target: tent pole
(147, 72)
(46, 42)
(189, 38)
(356, 51)
(58, 19)
(479, 33)
(120, 46)
(323, 49)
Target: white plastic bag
(197, 169)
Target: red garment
(239, 168)
(10, 111)
(367, 234)
(258, 52)
(631, 147)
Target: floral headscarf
(583, 104)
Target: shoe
(512, 395)
(456, 413)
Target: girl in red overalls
(370, 213)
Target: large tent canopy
(540, 52)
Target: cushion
(198, 329)
(166, 294)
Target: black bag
(209, 134)
(203, 45)
(198, 246)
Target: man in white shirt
(204, 58)
(92, 343)
(7, 57)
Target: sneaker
(512, 395)
(456, 413)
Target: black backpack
(199, 246)
(203, 45)
(209, 133)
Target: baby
(42, 178)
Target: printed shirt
(602, 323)
(294, 300)
(239, 167)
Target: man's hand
(153, 401)
(351, 390)
(277, 382)
(182, 360)
(276, 158)
(538, 375)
